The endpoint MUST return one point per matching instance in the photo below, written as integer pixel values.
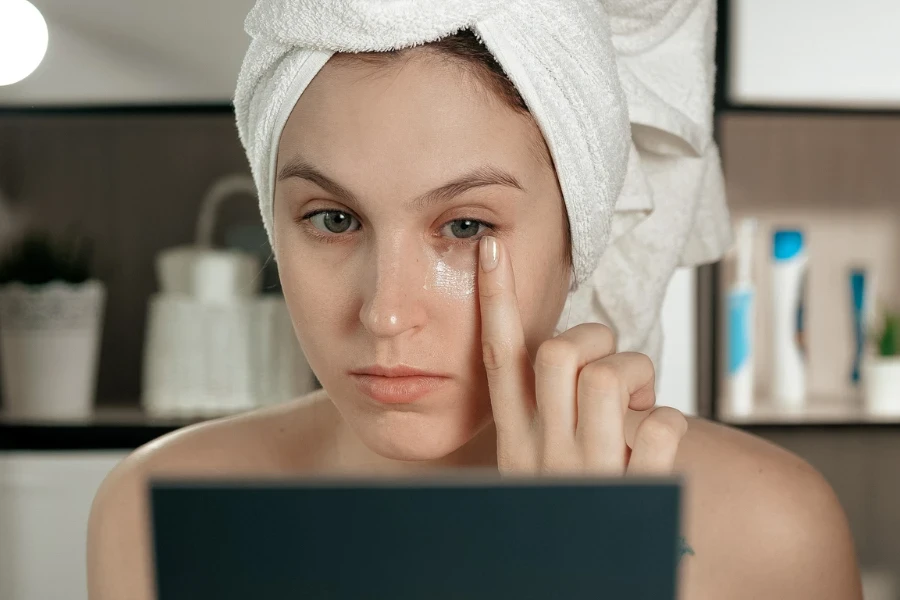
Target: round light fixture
(23, 40)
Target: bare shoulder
(272, 441)
(761, 521)
(269, 440)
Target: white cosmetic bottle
(789, 268)
(741, 314)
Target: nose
(392, 303)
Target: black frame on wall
(723, 103)
(124, 109)
(708, 276)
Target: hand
(568, 413)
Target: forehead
(410, 112)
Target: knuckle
(646, 361)
(490, 293)
(556, 353)
(647, 392)
(603, 332)
(601, 377)
(664, 426)
(496, 354)
(644, 397)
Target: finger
(506, 361)
(656, 442)
(606, 388)
(557, 364)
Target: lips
(397, 385)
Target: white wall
(815, 52)
(136, 52)
(677, 385)
(45, 499)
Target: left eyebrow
(480, 177)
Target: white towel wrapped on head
(622, 93)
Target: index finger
(509, 371)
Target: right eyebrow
(303, 170)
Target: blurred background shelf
(107, 429)
(766, 110)
(819, 411)
(125, 428)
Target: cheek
(541, 288)
(450, 292)
(316, 296)
(313, 289)
(451, 273)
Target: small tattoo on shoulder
(683, 547)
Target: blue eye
(333, 221)
(465, 228)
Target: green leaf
(889, 342)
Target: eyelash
(330, 238)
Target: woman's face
(377, 253)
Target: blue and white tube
(741, 314)
(789, 268)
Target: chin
(416, 436)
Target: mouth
(397, 385)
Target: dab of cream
(450, 281)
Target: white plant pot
(881, 385)
(49, 346)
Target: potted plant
(50, 324)
(881, 380)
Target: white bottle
(741, 315)
(789, 264)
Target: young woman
(423, 245)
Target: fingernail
(489, 253)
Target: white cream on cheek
(452, 272)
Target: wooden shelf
(817, 412)
(105, 429)
(789, 109)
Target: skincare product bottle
(859, 299)
(789, 272)
(741, 314)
